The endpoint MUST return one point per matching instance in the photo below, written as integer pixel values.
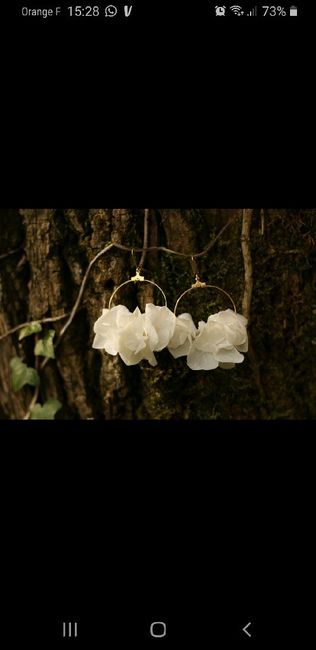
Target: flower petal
(109, 317)
(198, 360)
(106, 328)
(124, 316)
(234, 326)
(181, 350)
(159, 325)
(243, 347)
(229, 355)
(106, 332)
(184, 332)
(99, 342)
(210, 336)
(186, 320)
(131, 358)
(132, 336)
(184, 329)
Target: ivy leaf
(47, 411)
(21, 374)
(45, 347)
(32, 328)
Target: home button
(158, 629)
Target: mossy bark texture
(45, 253)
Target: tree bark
(44, 255)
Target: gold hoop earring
(217, 342)
(137, 278)
(134, 335)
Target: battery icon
(293, 11)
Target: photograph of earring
(134, 335)
(218, 342)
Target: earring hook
(195, 269)
(134, 261)
(137, 278)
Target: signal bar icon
(252, 12)
(68, 631)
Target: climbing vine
(23, 375)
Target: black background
(175, 107)
(205, 526)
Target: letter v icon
(127, 10)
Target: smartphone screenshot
(157, 373)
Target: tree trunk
(44, 255)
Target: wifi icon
(236, 9)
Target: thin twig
(246, 252)
(213, 241)
(77, 303)
(31, 404)
(145, 244)
(172, 252)
(80, 294)
(52, 319)
(15, 250)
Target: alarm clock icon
(220, 11)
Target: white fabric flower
(218, 342)
(134, 344)
(185, 331)
(234, 327)
(133, 335)
(159, 325)
(107, 328)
